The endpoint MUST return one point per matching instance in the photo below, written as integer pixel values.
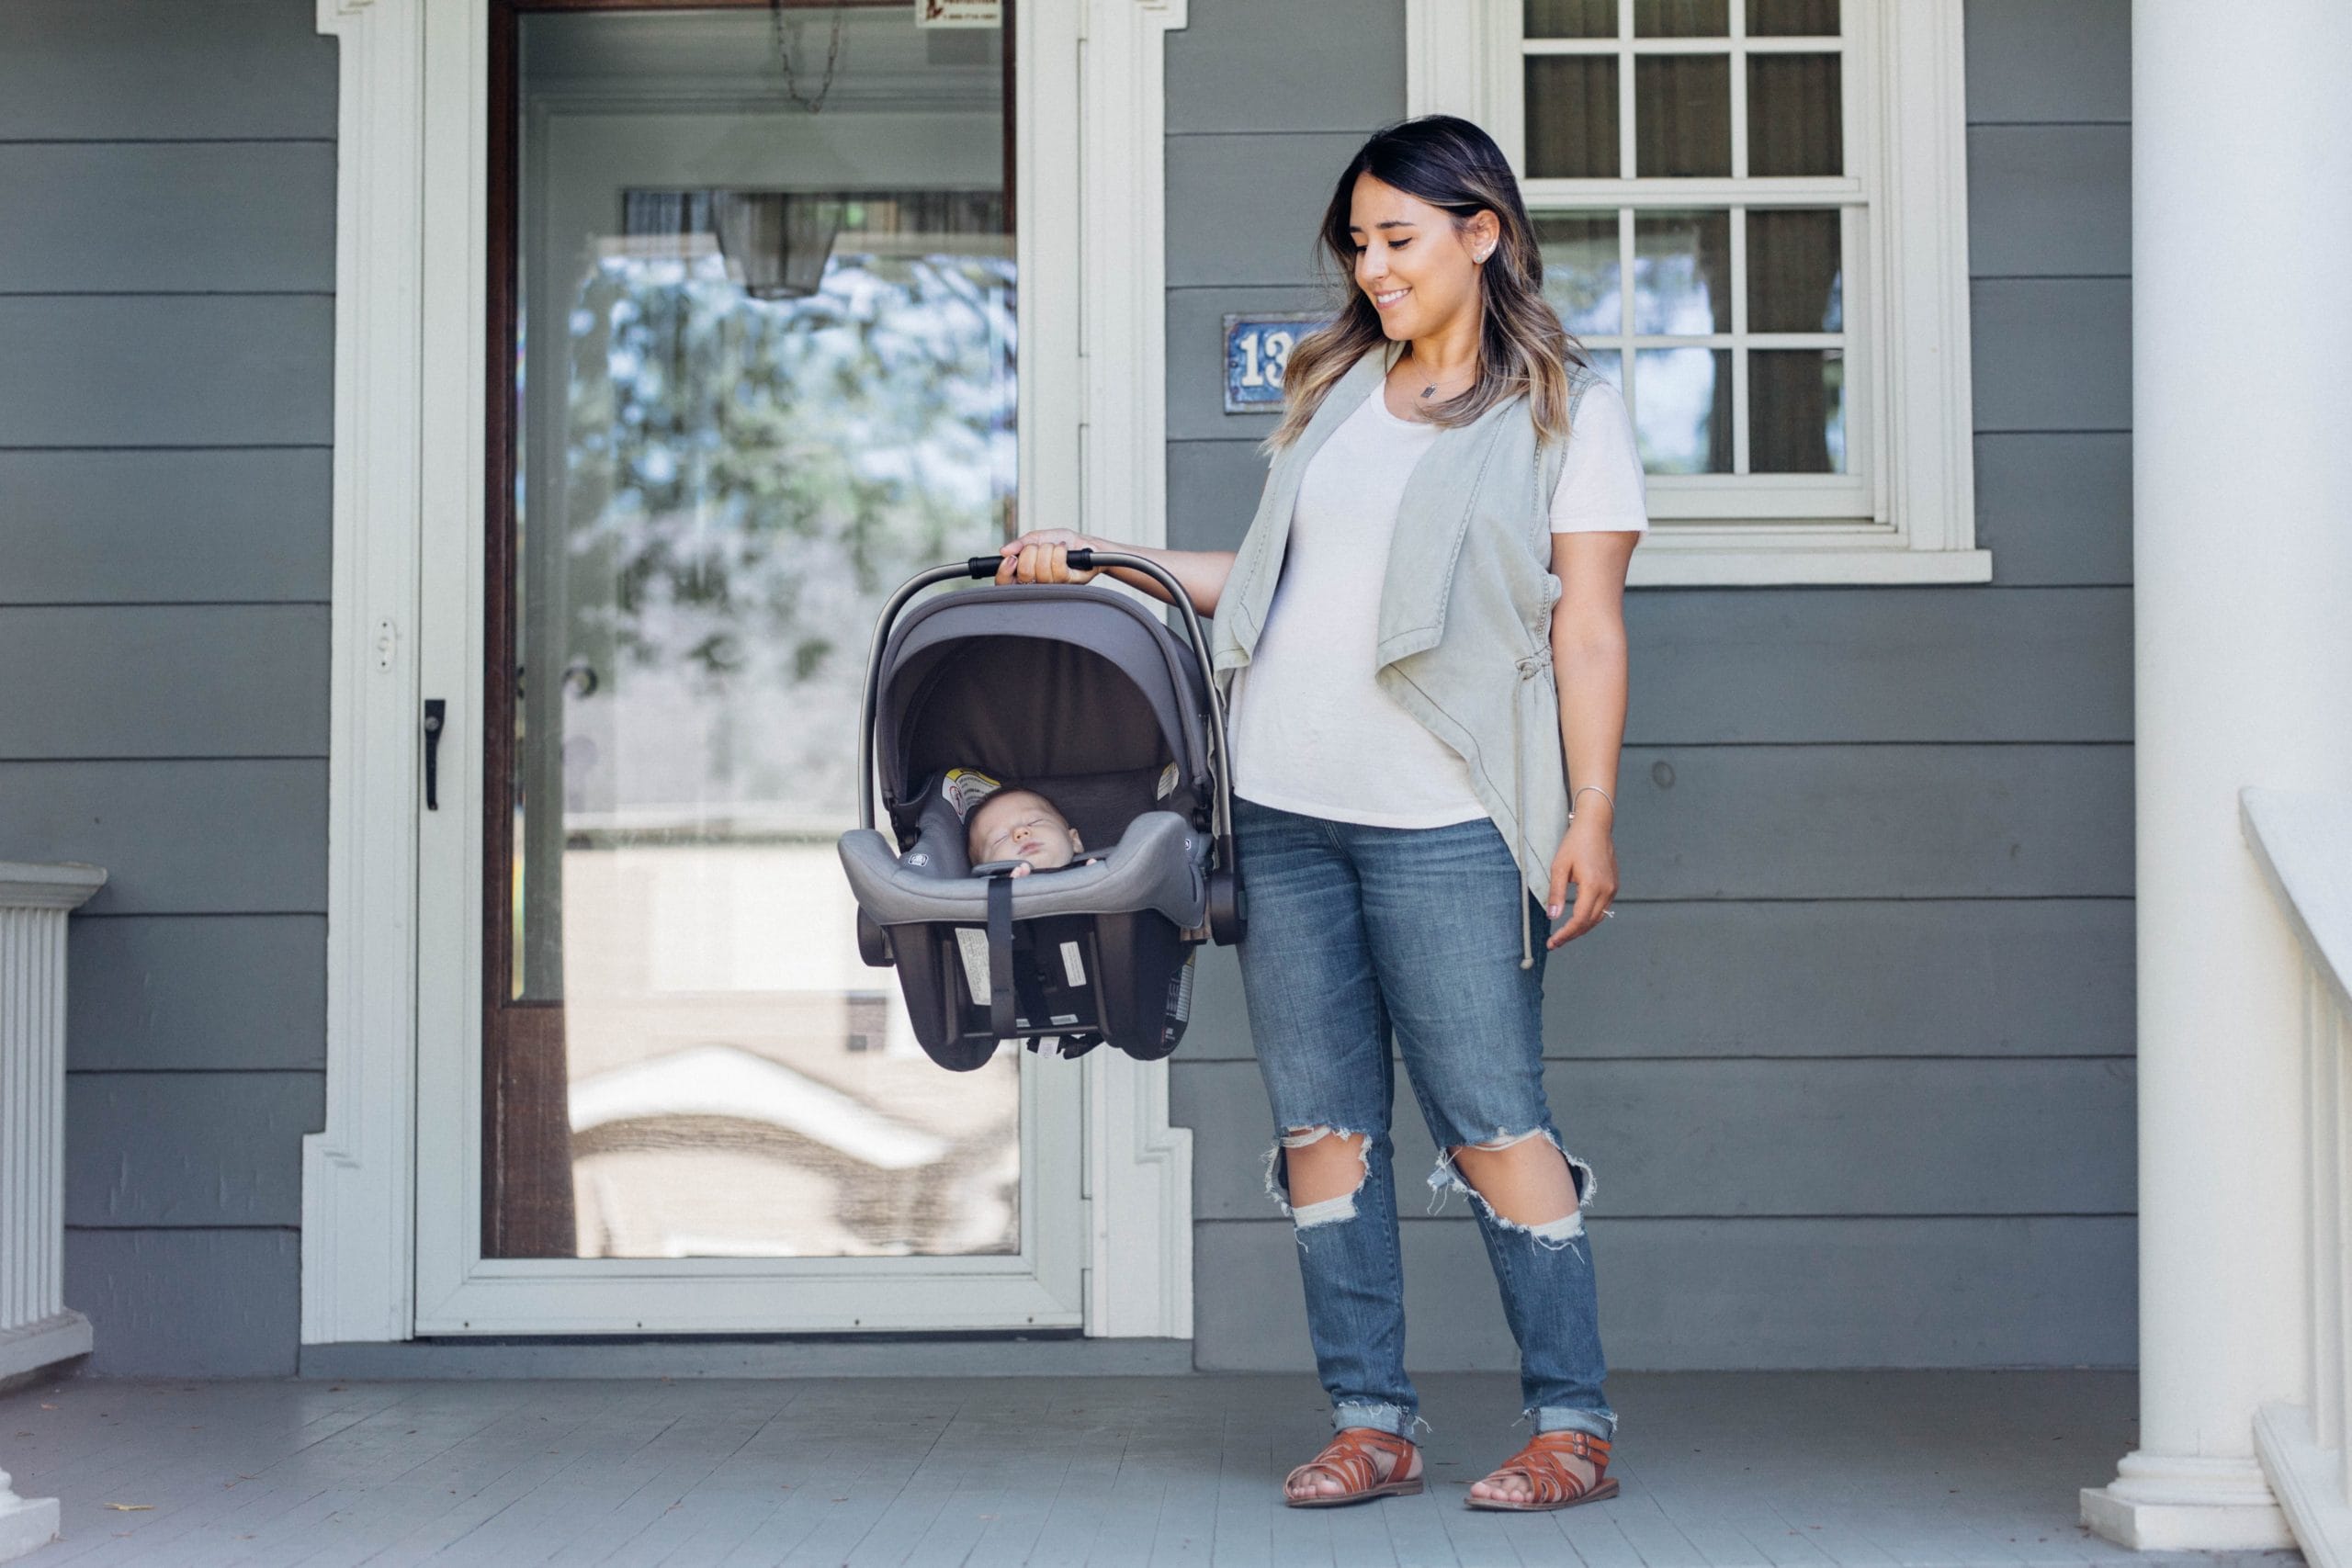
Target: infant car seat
(1084, 695)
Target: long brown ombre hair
(1522, 348)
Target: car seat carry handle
(1221, 823)
(1001, 997)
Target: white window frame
(1910, 424)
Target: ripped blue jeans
(1356, 931)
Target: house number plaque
(1257, 351)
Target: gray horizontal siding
(189, 1148)
(2049, 60)
(1854, 1061)
(1896, 664)
(150, 527)
(1728, 1138)
(244, 217)
(2050, 200)
(1875, 822)
(189, 1302)
(1684, 1295)
(1212, 489)
(163, 69)
(1991, 978)
(165, 681)
(172, 370)
(182, 837)
(166, 413)
(2052, 353)
(190, 992)
(1220, 81)
(2055, 509)
(1267, 192)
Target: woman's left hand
(1586, 857)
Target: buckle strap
(1001, 997)
(1576, 1440)
(1539, 1461)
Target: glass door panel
(763, 370)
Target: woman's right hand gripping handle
(1044, 557)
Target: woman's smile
(1386, 300)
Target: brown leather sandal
(1550, 1483)
(1348, 1459)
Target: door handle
(436, 717)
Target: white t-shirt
(1312, 731)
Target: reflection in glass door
(763, 369)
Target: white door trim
(1093, 450)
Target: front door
(751, 331)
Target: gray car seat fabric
(1090, 700)
(1161, 863)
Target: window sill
(1666, 560)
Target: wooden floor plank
(1718, 1471)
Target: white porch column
(2242, 468)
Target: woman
(1447, 467)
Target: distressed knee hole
(1326, 1200)
(1554, 1233)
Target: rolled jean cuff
(1390, 1419)
(1562, 1418)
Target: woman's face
(1419, 270)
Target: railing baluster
(2330, 1033)
(2324, 1115)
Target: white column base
(2179, 1503)
(26, 1524)
(29, 1347)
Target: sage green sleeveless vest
(1464, 643)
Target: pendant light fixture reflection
(776, 242)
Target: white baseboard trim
(32, 1345)
(2308, 1481)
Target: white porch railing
(2304, 843)
(36, 1327)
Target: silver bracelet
(1580, 790)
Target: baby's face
(1015, 824)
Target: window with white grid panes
(1754, 214)
(1701, 150)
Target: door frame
(409, 259)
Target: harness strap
(1001, 997)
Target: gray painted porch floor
(1793, 1470)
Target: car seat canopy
(1080, 694)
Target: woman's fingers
(1592, 898)
(1042, 557)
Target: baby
(1021, 824)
